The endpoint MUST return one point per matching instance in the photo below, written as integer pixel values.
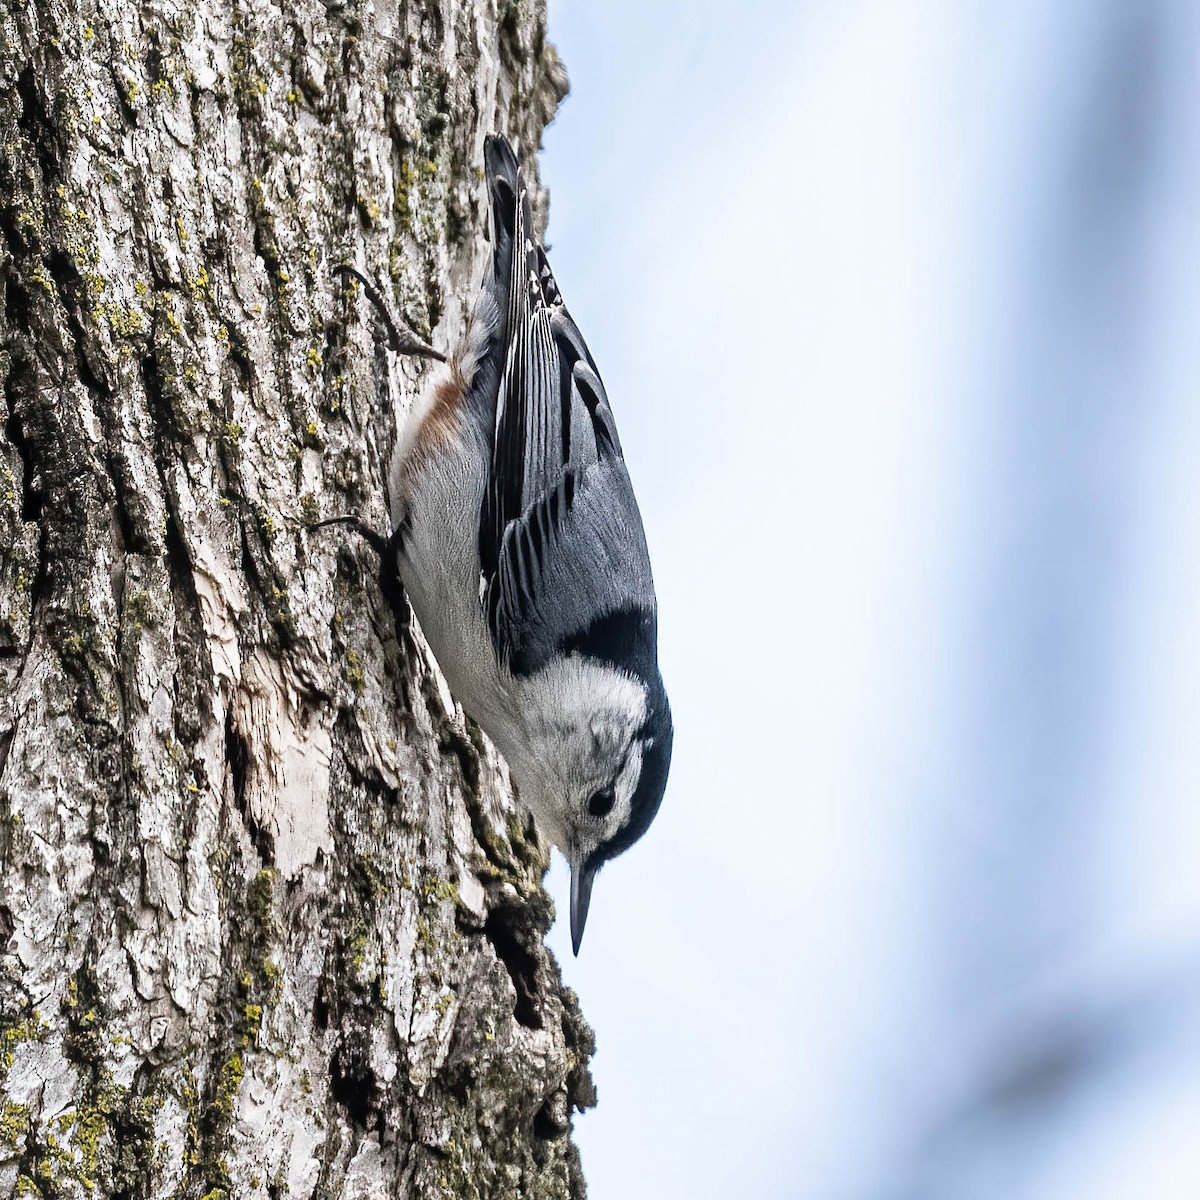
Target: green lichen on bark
(102, 1142)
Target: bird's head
(593, 764)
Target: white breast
(440, 570)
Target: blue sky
(897, 307)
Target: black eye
(600, 803)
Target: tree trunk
(272, 925)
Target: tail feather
(508, 200)
(504, 181)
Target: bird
(522, 553)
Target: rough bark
(271, 923)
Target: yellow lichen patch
(369, 207)
(40, 277)
(233, 1071)
(198, 283)
(354, 673)
(166, 308)
(32, 1029)
(124, 323)
(14, 1125)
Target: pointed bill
(582, 875)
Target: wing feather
(561, 539)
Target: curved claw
(400, 340)
(378, 542)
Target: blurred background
(898, 306)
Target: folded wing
(562, 549)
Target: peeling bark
(271, 923)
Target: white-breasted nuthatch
(521, 549)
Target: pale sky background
(898, 307)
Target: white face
(578, 762)
(599, 798)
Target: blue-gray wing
(574, 575)
(562, 548)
